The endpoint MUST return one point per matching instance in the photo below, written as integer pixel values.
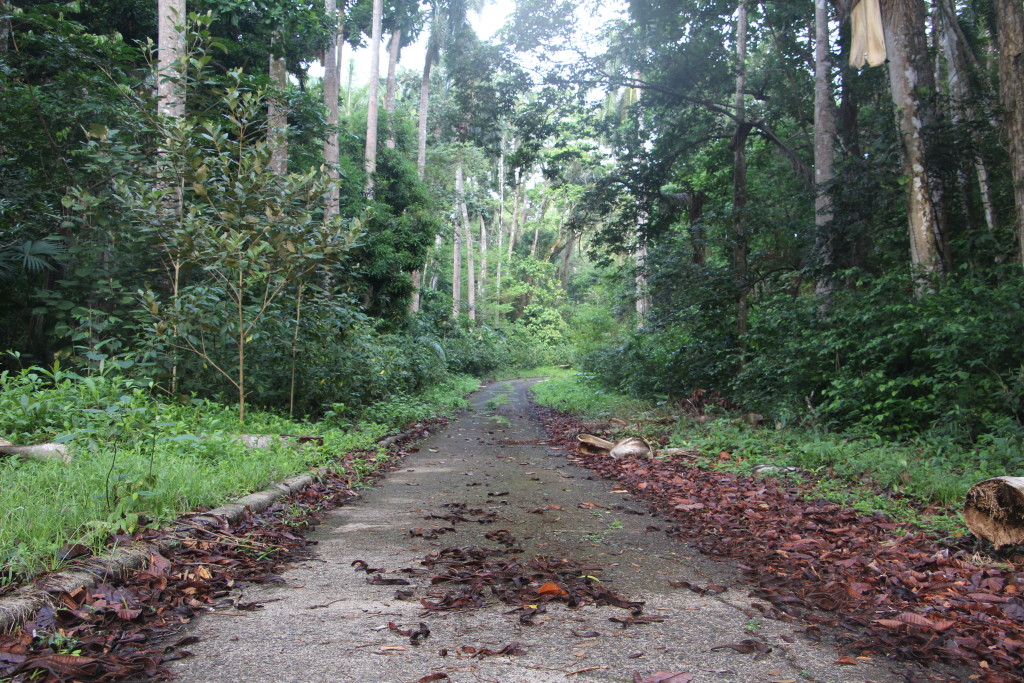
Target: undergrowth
(140, 461)
(920, 481)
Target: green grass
(582, 396)
(138, 460)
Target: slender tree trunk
(421, 137)
(332, 83)
(170, 103)
(517, 213)
(5, 27)
(295, 349)
(824, 147)
(171, 47)
(540, 221)
(457, 251)
(482, 279)
(501, 230)
(910, 83)
(414, 301)
(1010, 25)
(421, 150)
(372, 105)
(962, 109)
(566, 256)
(277, 116)
(467, 238)
(739, 176)
(643, 293)
(392, 86)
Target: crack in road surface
(484, 556)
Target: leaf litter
(892, 588)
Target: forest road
(490, 470)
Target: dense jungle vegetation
(697, 203)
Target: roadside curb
(18, 608)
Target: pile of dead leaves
(481, 574)
(896, 590)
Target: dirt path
(488, 471)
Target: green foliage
(894, 363)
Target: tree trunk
(1010, 25)
(421, 136)
(389, 92)
(277, 116)
(467, 237)
(540, 221)
(457, 250)
(566, 256)
(501, 230)
(910, 82)
(482, 279)
(517, 212)
(171, 47)
(414, 301)
(372, 105)
(643, 294)
(739, 176)
(962, 109)
(824, 147)
(332, 83)
(5, 27)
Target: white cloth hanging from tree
(868, 40)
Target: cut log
(634, 445)
(264, 441)
(593, 445)
(994, 510)
(43, 451)
(677, 452)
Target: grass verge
(139, 461)
(921, 481)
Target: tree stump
(994, 510)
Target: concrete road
(326, 623)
